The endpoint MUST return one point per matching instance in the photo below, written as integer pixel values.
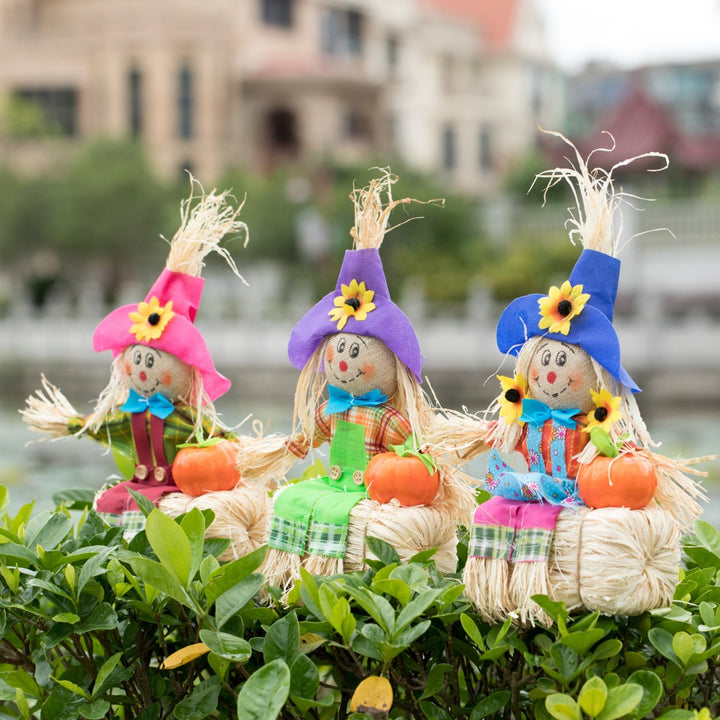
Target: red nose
(143, 376)
(343, 366)
(551, 377)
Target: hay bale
(615, 561)
(241, 515)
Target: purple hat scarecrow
(361, 303)
(165, 319)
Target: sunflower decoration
(511, 398)
(355, 301)
(560, 306)
(150, 319)
(606, 412)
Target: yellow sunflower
(606, 412)
(511, 398)
(355, 301)
(150, 319)
(560, 306)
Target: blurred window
(449, 147)
(135, 101)
(277, 12)
(341, 32)
(485, 148)
(356, 125)
(185, 102)
(58, 105)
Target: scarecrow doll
(570, 412)
(162, 383)
(359, 346)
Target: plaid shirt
(116, 431)
(384, 426)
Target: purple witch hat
(591, 327)
(361, 305)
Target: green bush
(87, 620)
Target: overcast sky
(631, 32)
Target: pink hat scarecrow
(163, 380)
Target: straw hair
(373, 205)
(48, 411)
(592, 220)
(204, 221)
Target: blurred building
(672, 108)
(452, 87)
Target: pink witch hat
(165, 319)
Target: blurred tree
(107, 211)
(22, 119)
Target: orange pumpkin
(389, 475)
(199, 469)
(628, 480)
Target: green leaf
(263, 695)
(708, 536)
(47, 529)
(376, 606)
(593, 696)
(193, 525)
(14, 551)
(582, 641)
(562, 707)
(103, 617)
(201, 703)
(433, 712)
(93, 567)
(662, 641)
(233, 600)
(652, 691)
(601, 440)
(472, 630)
(230, 574)
(621, 701)
(282, 640)
(72, 687)
(104, 673)
(227, 646)
(96, 710)
(608, 649)
(304, 678)
(147, 507)
(170, 544)
(70, 618)
(383, 551)
(155, 574)
(435, 680)
(342, 619)
(75, 498)
(396, 588)
(21, 680)
(491, 704)
(416, 607)
(556, 610)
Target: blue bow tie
(340, 400)
(157, 404)
(536, 413)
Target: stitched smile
(345, 382)
(557, 393)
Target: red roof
(640, 124)
(495, 18)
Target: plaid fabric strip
(532, 545)
(131, 521)
(491, 541)
(111, 519)
(287, 535)
(326, 539)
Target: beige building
(454, 87)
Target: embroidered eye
(149, 360)
(561, 358)
(354, 350)
(546, 357)
(138, 358)
(341, 346)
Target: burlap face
(561, 375)
(359, 364)
(149, 371)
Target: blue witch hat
(583, 318)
